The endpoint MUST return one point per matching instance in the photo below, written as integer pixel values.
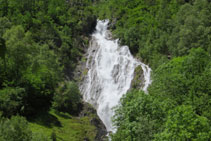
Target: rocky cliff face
(106, 72)
(87, 109)
(138, 80)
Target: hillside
(173, 37)
(41, 43)
(44, 42)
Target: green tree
(11, 101)
(183, 124)
(3, 7)
(15, 129)
(17, 49)
(138, 117)
(191, 28)
(67, 98)
(40, 79)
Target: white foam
(111, 70)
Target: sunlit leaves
(184, 124)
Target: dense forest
(42, 41)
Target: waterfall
(110, 72)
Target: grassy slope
(66, 127)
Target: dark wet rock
(86, 139)
(115, 72)
(89, 24)
(109, 35)
(89, 111)
(101, 134)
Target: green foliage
(15, 129)
(138, 117)
(177, 106)
(184, 124)
(4, 25)
(11, 101)
(191, 28)
(180, 79)
(39, 137)
(173, 36)
(17, 50)
(40, 43)
(31, 67)
(53, 136)
(157, 29)
(2, 48)
(40, 80)
(67, 98)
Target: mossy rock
(85, 72)
(138, 80)
(83, 59)
(89, 111)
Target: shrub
(67, 98)
(15, 129)
(11, 100)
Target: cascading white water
(110, 72)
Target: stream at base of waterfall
(110, 73)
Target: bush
(15, 129)
(11, 101)
(67, 98)
(184, 124)
(138, 117)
